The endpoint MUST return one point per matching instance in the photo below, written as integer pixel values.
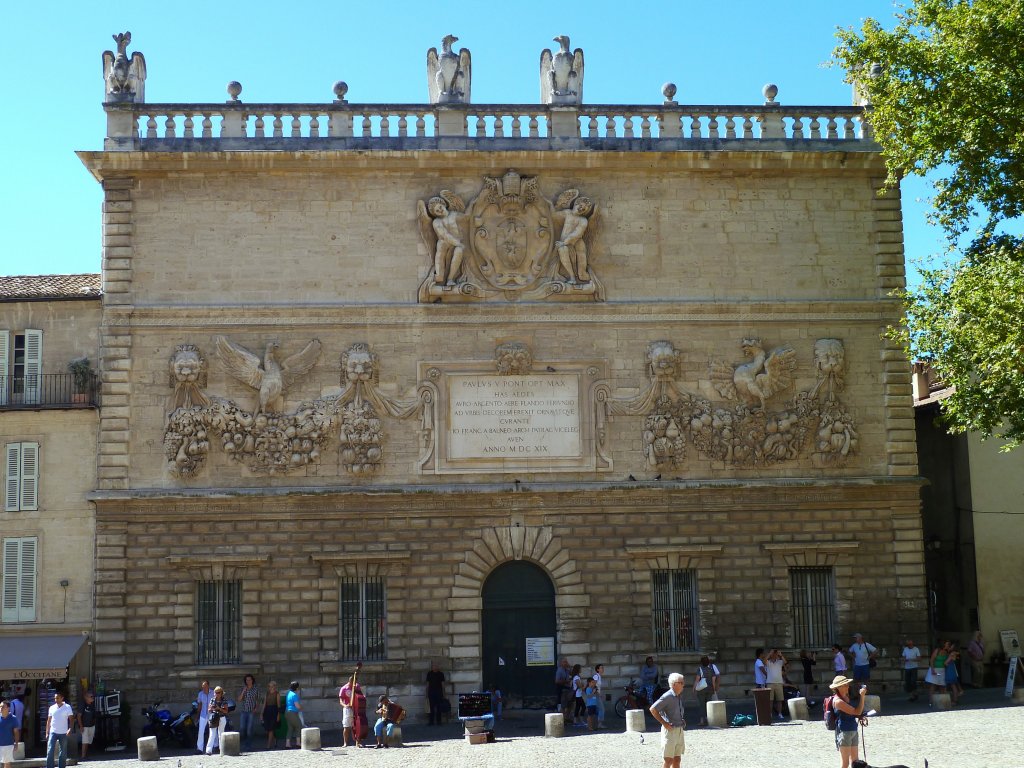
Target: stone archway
(491, 548)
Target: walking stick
(863, 743)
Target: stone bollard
(798, 709)
(148, 751)
(1018, 696)
(231, 743)
(395, 739)
(19, 750)
(717, 716)
(310, 739)
(872, 702)
(554, 724)
(941, 701)
(635, 722)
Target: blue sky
(716, 53)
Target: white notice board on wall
(540, 651)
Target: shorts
(777, 693)
(7, 754)
(347, 717)
(88, 733)
(862, 672)
(847, 738)
(673, 743)
(592, 709)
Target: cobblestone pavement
(985, 737)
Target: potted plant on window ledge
(83, 378)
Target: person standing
(808, 661)
(10, 733)
(774, 676)
(435, 692)
(847, 717)
(706, 686)
(248, 703)
(911, 656)
(838, 660)
(58, 725)
(218, 710)
(292, 713)
(668, 711)
(649, 677)
(87, 721)
(270, 715)
(976, 655)
(203, 700)
(863, 654)
(563, 691)
(580, 708)
(599, 682)
(345, 695)
(760, 671)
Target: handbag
(702, 683)
(936, 676)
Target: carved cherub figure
(268, 376)
(757, 380)
(571, 247)
(448, 74)
(440, 226)
(188, 377)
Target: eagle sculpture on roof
(125, 78)
(561, 74)
(448, 73)
(268, 376)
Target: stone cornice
(804, 546)
(662, 550)
(652, 312)
(106, 165)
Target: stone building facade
(491, 385)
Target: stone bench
(148, 751)
(231, 743)
(309, 739)
(717, 715)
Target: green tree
(946, 88)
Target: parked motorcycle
(636, 698)
(170, 729)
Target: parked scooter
(636, 698)
(169, 729)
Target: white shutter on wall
(19, 580)
(33, 365)
(12, 484)
(5, 366)
(29, 477)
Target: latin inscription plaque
(537, 415)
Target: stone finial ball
(340, 89)
(668, 90)
(234, 89)
(770, 91)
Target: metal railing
(47, 390)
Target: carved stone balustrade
(340, 125)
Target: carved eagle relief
(269, 377)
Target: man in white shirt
(773, 672)
(911, 654)
(203, 697)
(58, 725)
(862, 654)
(838, 660)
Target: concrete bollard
(310, 739)
(395, 739)
(231, 743)
(635, 722)
(941, 701)
(554, 725)
(717, 715)
(19, 750)
(873, 702)
(148, 751)
(798, 709)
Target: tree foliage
(947, 100)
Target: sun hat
(839, 681)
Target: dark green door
(518, 602)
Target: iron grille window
(363, 619)
(813, 604)
(218, 622)
(674, 610)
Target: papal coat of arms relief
(509, 242)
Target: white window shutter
(27, 591)
(33, 365)
(29, 477)
(12, 484)
(11, 570)
(5, 366)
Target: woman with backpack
(847, 718)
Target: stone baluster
(499, 126)
(481, 126)
(367, 126)
(207, 125)
(421, 124)
(259, 128)
(403, 126)
(232, 125)
(695, 130)
(151, 127)
(713, 127)
(517, 130)
(798, 127)
(730, 125)
(169, 127)
(748, 127)
(314, 126)
(645, 126)
(609, 127)
(278, 125)
(189, 127)
(296, 131)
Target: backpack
(831, 716)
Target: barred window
(674, 610)
(813, 605)
(218, 622)
(363, 619)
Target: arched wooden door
(518, 603)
